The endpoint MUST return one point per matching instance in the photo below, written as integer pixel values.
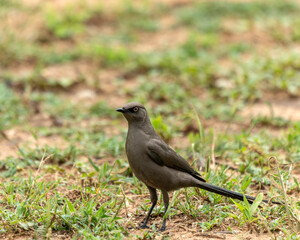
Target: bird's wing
(163, 155)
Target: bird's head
(134, 112)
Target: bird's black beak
(122, 110)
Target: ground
(220, 80)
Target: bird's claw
(163, 228)
(143, 226)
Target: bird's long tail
(229, 193)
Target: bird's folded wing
(163, 155)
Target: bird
(158, 166)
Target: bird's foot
(163, 228)
(143, 226)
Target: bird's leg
(166, 202)
(153, 197)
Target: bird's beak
(122, 110)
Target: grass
(63, 168)
(12, 109)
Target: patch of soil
(287, 109)
(16, 137)
(160, 40)
(254, 35)
(25, 235)
(175, 3)
(17, 236)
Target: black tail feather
(229, 193)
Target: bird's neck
(144, 126)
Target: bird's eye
(135, 109)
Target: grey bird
(157, 165)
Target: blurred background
(228, 59)
(221, 75)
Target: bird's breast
(136, 145)
(135, 149)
